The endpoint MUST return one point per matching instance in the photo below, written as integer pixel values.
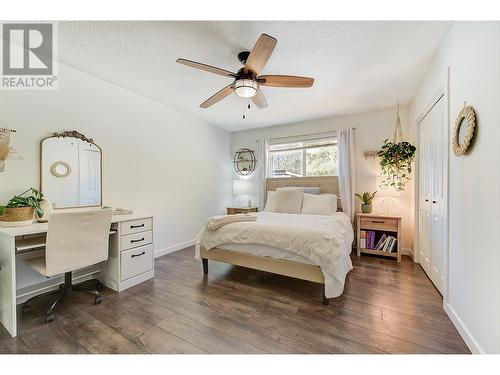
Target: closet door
(432, 193)
(438, 196)
(424, 206)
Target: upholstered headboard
(326, 184)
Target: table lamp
(242, 187)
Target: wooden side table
(240, 210)
(380, 225)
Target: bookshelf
(382, 227)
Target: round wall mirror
(60, 169)
(244, 161)
(464, 130)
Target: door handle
(134, 241)
(434, 202)
(427, 200)
(138, 255)
(136, 226)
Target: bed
(304, 246)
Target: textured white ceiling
(358, 66)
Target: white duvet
(323, 240)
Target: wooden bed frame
(281, 267)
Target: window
(303, 156)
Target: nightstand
(381, 230)
(241, 210)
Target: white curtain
(345, 141)
(263, 171)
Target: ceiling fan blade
(259, 99)
(260, 53)
(285, 81)
(207, 68)
(217, 96)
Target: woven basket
(13, 217)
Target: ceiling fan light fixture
(245, 88)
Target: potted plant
(20, 210)
(395, 160)
(366, 199)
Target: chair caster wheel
(98, 300)
(26, 308)
(49, 318)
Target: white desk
(130, 262)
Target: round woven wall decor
(466, 117)
(60, 169)
(244, 161)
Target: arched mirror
(71, 170)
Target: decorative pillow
(324, 204)
(270, 201)
(288, 200)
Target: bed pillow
(335, 198)
(324, 204)
(270, 201)
(288, 200)
(307, 189)
(312, 190)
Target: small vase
(366, 208)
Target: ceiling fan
(247, 80)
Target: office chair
(75, 240)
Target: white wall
(372, 128)
(472, 52)
(155, 159)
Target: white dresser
(130, 262)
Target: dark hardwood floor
(386, 308)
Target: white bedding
(313, 239)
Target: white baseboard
(171, 249)
(407, 252)
(462, 329)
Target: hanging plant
(396, 159)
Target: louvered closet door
(432, 194)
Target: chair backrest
(77, 239)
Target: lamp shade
(241, 187)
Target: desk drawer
(135, 240)
(379, 224)
(136, 261)
(136, 226)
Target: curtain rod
(309, 134)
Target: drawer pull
(378, 221)
(138, 255)
(139, 240)
(137, 226)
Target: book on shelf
(393, 245)
(362, 239)
(381, 242)
(370, 239)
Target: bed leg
(205, 266)
(326, 301)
